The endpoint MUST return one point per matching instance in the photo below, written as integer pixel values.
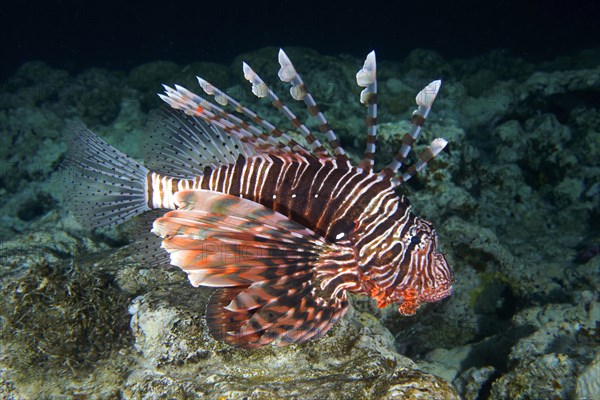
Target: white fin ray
(287, 72)
(260, 89)
(424, 100)
(426, 155)
(367, 77)
(299, 91)
(224, 99)
(427, 96)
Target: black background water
(119, 35)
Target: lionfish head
(424, 275)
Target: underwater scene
(302, 223)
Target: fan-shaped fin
(268, 264)
(181, 145)
(146, 246)
(222, 240)
(276, 314)
(106, 186)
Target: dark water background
(515, 193)
(76, 35)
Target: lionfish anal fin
(266, 265)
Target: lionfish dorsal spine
(424, 100)
(367, 77)
(436, 146)
(234, 120)
(224, 99)
(260, 89)
(299, 91)
(191, 104)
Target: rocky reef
(515, 199)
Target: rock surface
(73, 312)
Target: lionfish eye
(415, 240)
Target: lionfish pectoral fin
(277, 313)
(265, 264)
(288, 309)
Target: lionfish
(283, 225)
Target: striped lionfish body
(283, 227)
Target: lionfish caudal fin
(265, 137)
(264, 263)
(106, 186)
(109, 187)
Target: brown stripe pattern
(371, 242)
(394, 249)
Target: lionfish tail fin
(367, 77)
(424, 101)
(108, 187)
(299, 91)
